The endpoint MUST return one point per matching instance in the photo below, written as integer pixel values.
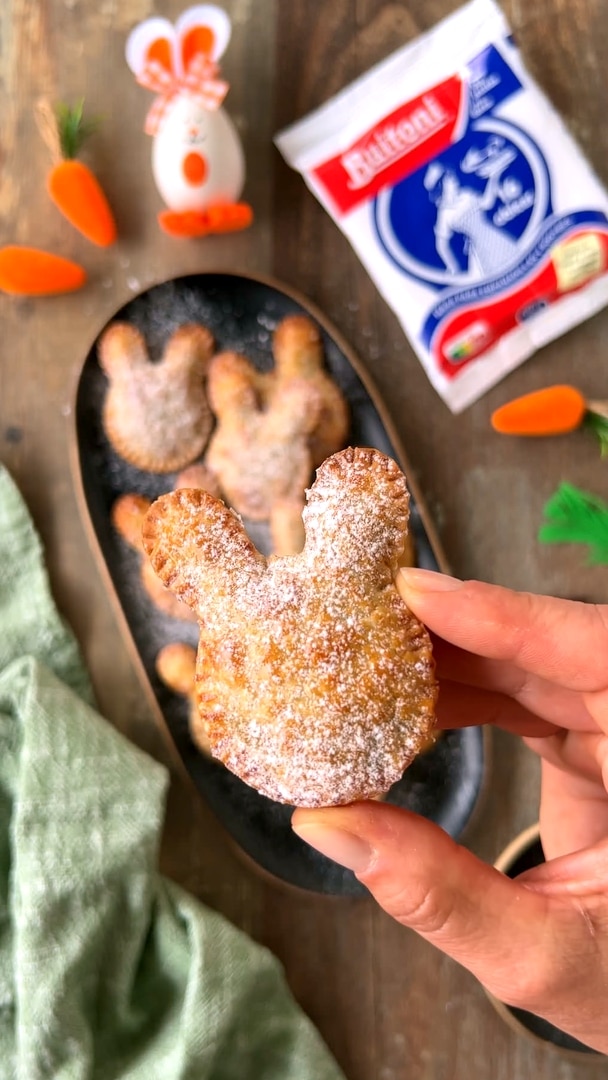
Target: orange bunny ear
(197, 41)
(160, 52)
(203, 30)
(152, 42)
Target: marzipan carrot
(554, 410)
(72, 185)
(28, 271)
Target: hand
(536, 666)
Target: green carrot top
(72, 128)
(577, 517)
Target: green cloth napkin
(106, 969)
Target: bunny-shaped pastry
(176, 667)
(127, 515)
(128, 512)
(197, 157)
(259, 452)
(315, 683)
(298, 354)
(156, 415)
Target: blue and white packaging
(465, 197)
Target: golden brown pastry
(298, 354)
(287, 527)
(259, 453)
(408, 555)
(315, 683)
(156, 415)
(198, 475)
(176, 668)
(127, 515)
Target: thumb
(426, 881)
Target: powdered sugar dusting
(259, 450)
(315, 683)
(156, 414)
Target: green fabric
(106, 969)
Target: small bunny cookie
(156, 415)
(127, 516)
(298, 354)
(259, 452)
(176, 667)
(315, 683)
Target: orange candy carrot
(554, 410)
(28, 271)
(231, 217)
(72, 185)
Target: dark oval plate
(443, 784)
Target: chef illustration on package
(464, 210)
(464, 195)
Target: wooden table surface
(389, 1006)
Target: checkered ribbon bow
(199, 82)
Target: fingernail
(429, 580)
(342, 847)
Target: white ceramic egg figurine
(197, 158)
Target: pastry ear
(203, 30)
(152, 43)
(231, 386)
(121, 347)
(198, 547)
(297, 347)
(190, 348)
(127, 516)
(176, 666)
(201, 476)
(357, 511)
(296, 408)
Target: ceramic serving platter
(444, 784)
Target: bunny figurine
(197, 157)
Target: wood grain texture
(388, 1005)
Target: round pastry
(315, 683)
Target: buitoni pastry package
(465, 197)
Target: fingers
(573, 808)
(537, 697)
(536, 945)
(582, 873)
(430, 884)
(597, 707)
(563, 641)
(581, 755)
(464, 706)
